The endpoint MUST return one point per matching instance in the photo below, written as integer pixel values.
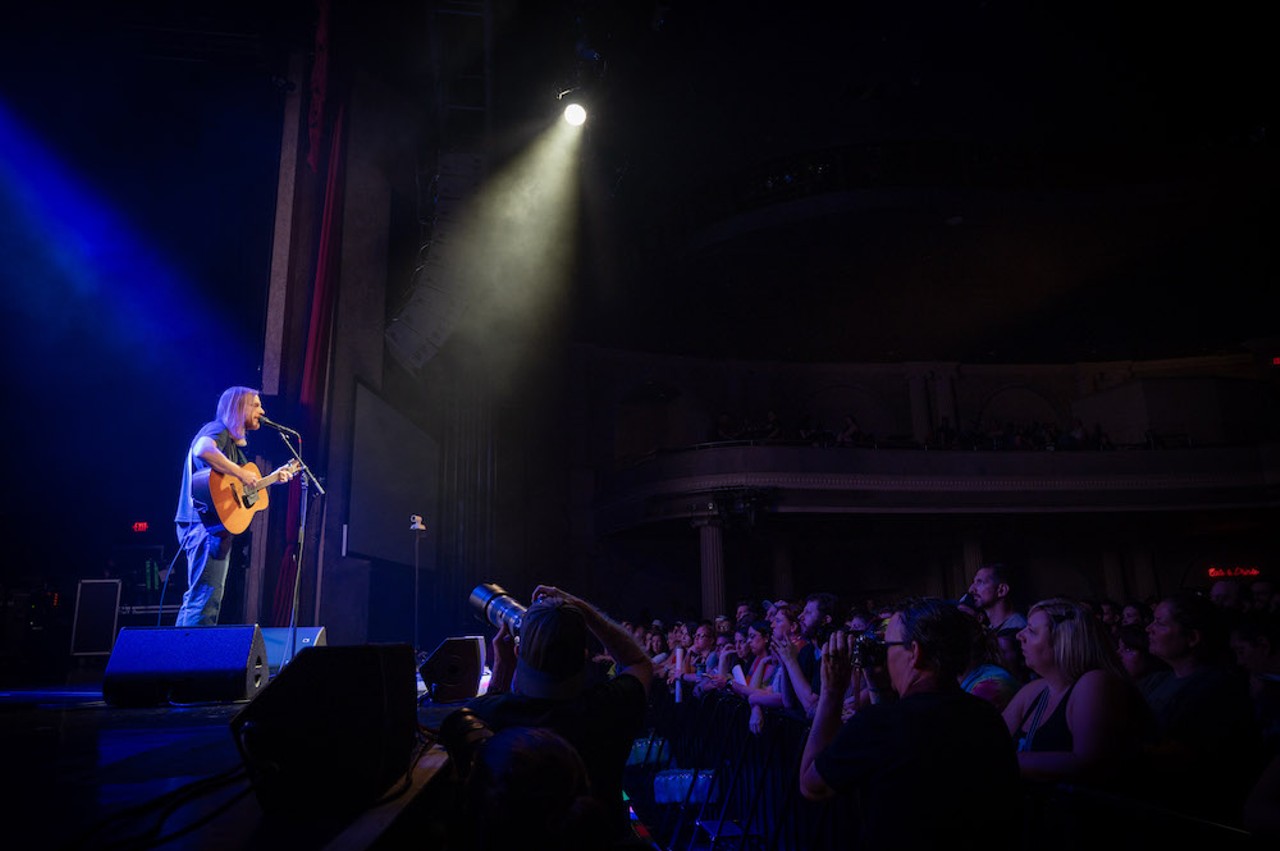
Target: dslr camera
(462, 734)
(867, 649)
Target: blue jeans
(208, 557)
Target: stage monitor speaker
(93, 627)
(277, 641)
(452, 673)
(333, 731)
(198, 664)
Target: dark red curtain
(311, 397)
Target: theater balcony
(708, 479)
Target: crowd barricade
(700, 779)
(699, 729)
(723, 786)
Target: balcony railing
(789, 478)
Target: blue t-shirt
(215, 430)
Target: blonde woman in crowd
(1082, 716)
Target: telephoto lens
(498, 606)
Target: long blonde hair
(232, 407)
(1080, 641)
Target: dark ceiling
(954, 179)
(970, 181)
(937, 179)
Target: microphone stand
(291, 646)
(419, 529)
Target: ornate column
(711, 548)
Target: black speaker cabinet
(333, 731)
(278, 638)
(93, 628)
(199, 664)
(452, 673)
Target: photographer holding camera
(935, 744)
(540, 681)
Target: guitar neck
(268, 481)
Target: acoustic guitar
(223, 501)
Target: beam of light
(103, 336)
(512, 251)
(76, 275)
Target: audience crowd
(1172, 701)
(1169, 705)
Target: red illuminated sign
(140, 526)
(1225, 572)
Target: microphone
(284, 429)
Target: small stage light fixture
(575, 114)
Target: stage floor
(81, 773)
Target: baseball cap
(553, 651)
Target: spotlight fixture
(574, 112)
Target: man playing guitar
(216, 448)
